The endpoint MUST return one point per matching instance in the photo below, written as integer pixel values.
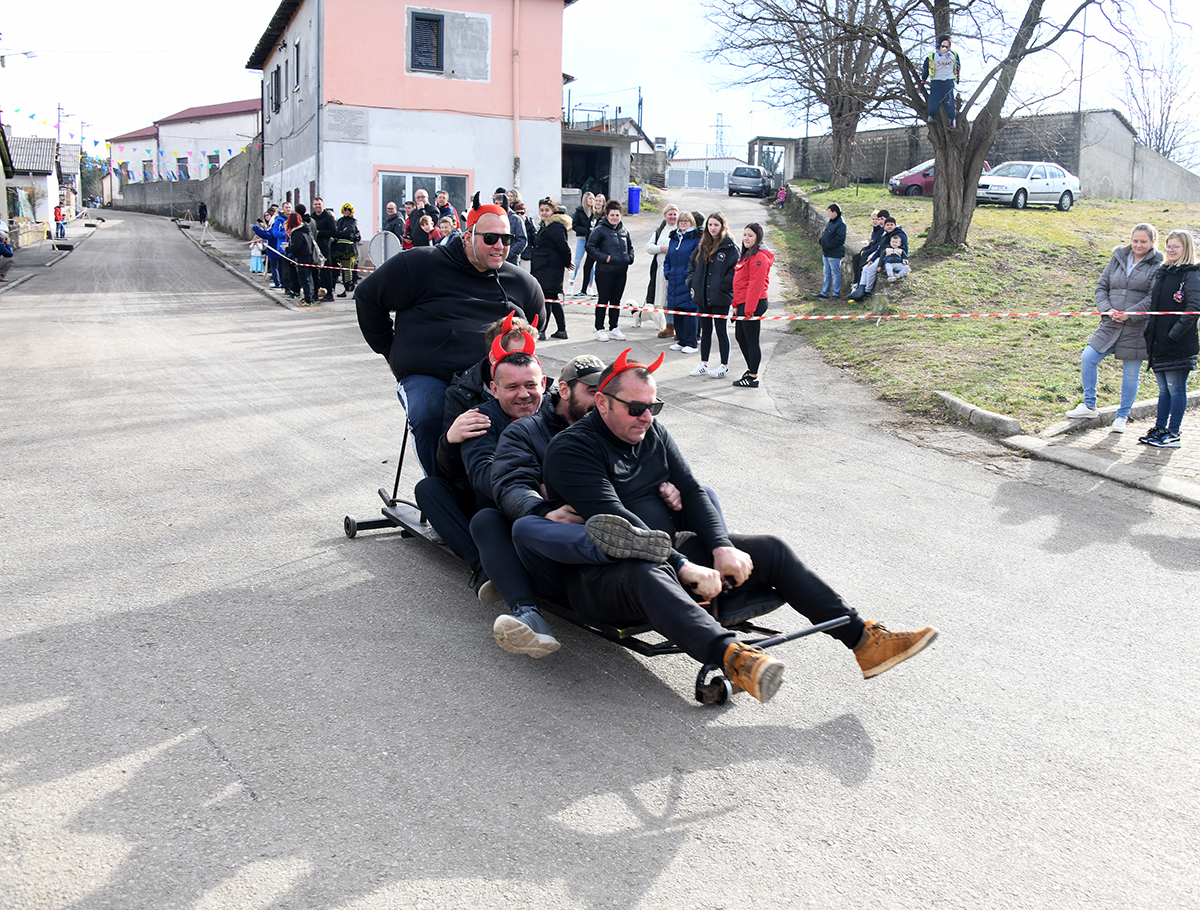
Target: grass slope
(1037, 260)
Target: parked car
(1022, 183)
(917, 181)
(749, 179)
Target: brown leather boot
(880, 650)
(750, 668)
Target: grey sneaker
(524, 631)
(621, 540)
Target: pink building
(367, 101)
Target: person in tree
(941, 71)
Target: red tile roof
(209, 111)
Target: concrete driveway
(209, 697)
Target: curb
(1179, 490)
(13, 282)
(1140, 409)
(978, 417)
(245, 279)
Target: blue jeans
(424, 400)
(833, 276)
(580, 252)
(1172, 398)
(941, 95)
(1130, 373)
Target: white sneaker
(701, 370)
(1082, 411)
(617, 334)
(602, 335)
(689, 350)
(720, 372)
(1118, 425)
(677, 347)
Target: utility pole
(720, 128)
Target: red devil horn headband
(621, 364)
(498, 353)
(478, 211)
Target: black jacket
(325, 227)
(300, 245)
(442, 305)
(712, 282)
(1171, 341)
(551, 254)
(885, 241)
(415, 234)
(468, 390)
(517, 466)
(877, 233)
(833, 239)
(395, 224)
(478, 453)
(598, 474)
(581, 222)
(607, 241)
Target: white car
(1022, 183)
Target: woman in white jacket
(656, 293)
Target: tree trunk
(843, 120)
(956, 172)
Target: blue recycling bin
(635, 199)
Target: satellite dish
(384, 246)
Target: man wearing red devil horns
(608, 467)
(443, 297)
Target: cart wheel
(405, 532)
(351, 527)
(715, 691)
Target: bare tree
(1158, 83)
(992, 43)
(798, 52)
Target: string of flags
(128, 172)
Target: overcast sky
(119, 68)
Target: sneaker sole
(621, 540)
(903, 655)
(769, 684)
(517, 638)
(488, 593)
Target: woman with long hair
(656, 290)
(582, 225)
(1122, 296)
(751, 277)
(300, 250)
(710, 276)
(1172, 343)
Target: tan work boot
(880, 650)
(751, 669)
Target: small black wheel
(731, 194)
(715, 691)
(914, 190)
(351, 527)
(1065, 201)
(1020, 199)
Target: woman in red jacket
(750, 278)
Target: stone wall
(232, 194)
(1098, 146)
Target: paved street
(210, 697)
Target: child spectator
(895, 260)
(432, 233)
(256, 255)
(781, 198)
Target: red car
(917, 181)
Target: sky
(119, 69)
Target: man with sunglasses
(608, 467)
(442, 297)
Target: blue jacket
(275, 236)
(5, 250)
(675, 269)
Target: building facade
(464, 97)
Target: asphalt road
(209, 697)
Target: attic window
(426, 34)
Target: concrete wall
(232, 195)
(1101, 150)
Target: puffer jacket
(833, 239)
(751, 277)
(611, 247)
(583, 222)
(1171, 341)
(551, 254)
(712, 282)
(1127, 294)
(675, 268)
(517, 464)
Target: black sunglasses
(638, 408)
(491, 237)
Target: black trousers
(706, 333)
(631, 591)
(492, 533)
(747, 334)
(447, 511)
(610, 286)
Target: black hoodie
(442, 304)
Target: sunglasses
(491, 237)
(638, 408)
